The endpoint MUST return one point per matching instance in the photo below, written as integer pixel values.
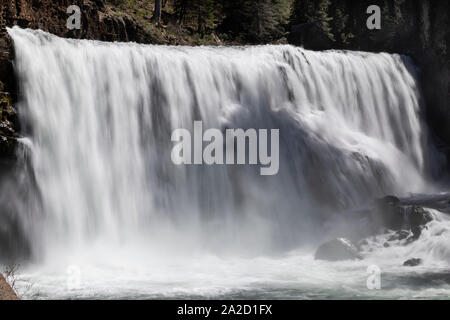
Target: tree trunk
(158, 11)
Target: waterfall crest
(98, 118)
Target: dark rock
(413, 262)
(418, 217)
(391, 213)
(388, 213)
(388, 201)
(337, 250)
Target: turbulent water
(103, 196)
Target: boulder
(388, 201)
(393, 214)
(414, 262)
(418, 217)
(337, 250)
(388, 213)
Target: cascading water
(98, 118)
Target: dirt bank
(6, 293)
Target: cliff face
(418, 28)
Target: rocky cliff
(418, 28)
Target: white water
(98, 119)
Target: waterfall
(98, 118)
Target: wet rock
(414, 262)
(393, 214)
(337, 250)
(388, 213)
(418, 217)
(388, 201)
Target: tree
(180, 9)
(158, 5)
(205, 15)
(256, 20)
(314, 11)
(199, 13)
(262, 23)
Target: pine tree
(262, 19)
(180, 8)
(314, 11)
(256, 20)
(282, 10)
(205, 15)
(196, 12)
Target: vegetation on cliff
(199, 22)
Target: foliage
(256, 20)
(196, 12)
(314, 11)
